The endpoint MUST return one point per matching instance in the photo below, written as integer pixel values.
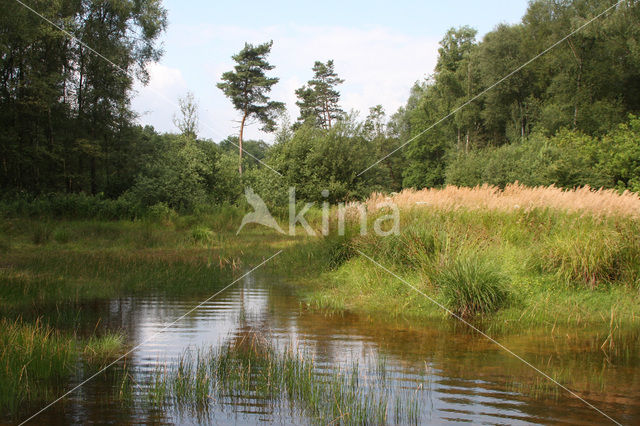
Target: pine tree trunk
(244, 119)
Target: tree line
(565, 119)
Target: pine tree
(247, 87)
(319, 99)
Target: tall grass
(471, 286)
(31, 354)
(548, 264)
(35, 359)
(100, 350)
(602, 202)
(252, 368)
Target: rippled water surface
(455, 375)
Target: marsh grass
(472, 285)
(5, 243)
(41, 233)
(32, 356)
(202, 235)
(36, 358)
(591, 255)
(534, 265)
(61, 235)
(251, 368)
(100, 350)
(602, 202)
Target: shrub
(160, 212)
(69, 206)
(472, 285)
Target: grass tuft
(99, 351)
(202, 235)
(61, 236)
(41, 233)
(471, 286)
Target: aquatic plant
(251, 367)
(30, 355)
(99, 350)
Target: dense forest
(68, 131)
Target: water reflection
(459, 377)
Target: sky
(380, 49)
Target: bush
(69, 206)
(177, 178)
(471, 286)
(567, 160)
(160, 212)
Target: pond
(451, 373)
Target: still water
(456, 375)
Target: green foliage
(568, 159)
(65, 113)
(161, 212)
(580, 90)
(176, 178)
(314, 160)
(620, 155)
(68, 206)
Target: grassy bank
(487, 258)
(50, 267)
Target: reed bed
(598, 202)
(252, 369)
(36, 359)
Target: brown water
(456, 375)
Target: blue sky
(379, 47)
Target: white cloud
(156, 102)
(379, 66)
